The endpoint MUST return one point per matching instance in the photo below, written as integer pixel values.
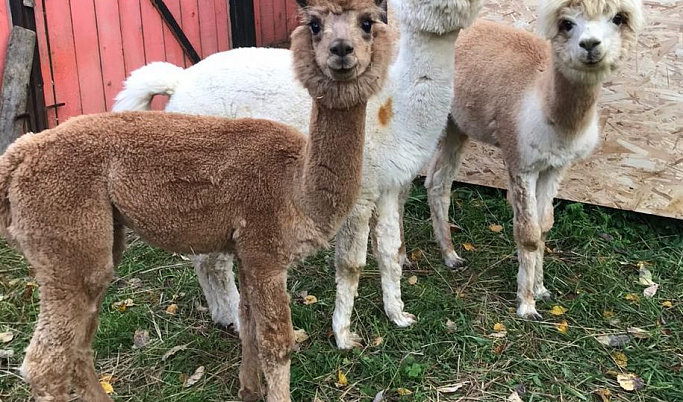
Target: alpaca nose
(341, 47)
(589, 44)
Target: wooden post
(15, 78)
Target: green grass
(593, 266)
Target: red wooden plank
(292, 16)
(207, 28)
(267, 22)
(63, 54)
(131, 35)
(111, 49)
(222, 24)
(190, 23)
(4, 35)
(174, 52)
(88, 56)
(42, 40)
(280, 21)
(153, 32)
(257, 22)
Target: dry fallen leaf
(6, 353)
(495, 228)
(620, 359)
(403, 391)
(514, 397)
(191, 380)
(415, 255)
(172, 309)
(379, 397)
(468, 246)
(342, 381)
(106, 386)
(449, 389)
(630, 382)
(412, 280)
(451, 325)
(608, 314)
(603, 393)
(377, 341)
(310, 299)
(558, 310)
(638, 333)
(499, 349)
(650, 291)
(667, 304)
(171, 352)
(140, 339)
(300, 335)
(613, 340)
(123, 305)
(563, 327)
(645, 276)
(6, 337)
(632, 297)
(498, 327)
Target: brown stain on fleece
(386, 112)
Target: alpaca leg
(251, 388)
(441, 172)
(350, 257)
(546, 189)
(271, 315)
(528, 238)
(217, 279)
(402, 254)
(388, 242)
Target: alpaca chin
(437, 17)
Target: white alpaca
(537, 101)
(404, 124)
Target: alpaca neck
(568, 104)
(333, 164)
(420, 88)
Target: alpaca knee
(527, 235)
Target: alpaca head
(590, 38)
(436, 16)
(342, 50)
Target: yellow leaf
(498, 327)
(172, 309)
(403, 391)
(123, 305)
(604, 394)
(632, 297)
(548, 250)
(6, 337)
(468, 246)
(608, 314)
(415, 255)
(342, 381)
(412, 280)
(558, 310)
(563, 327)
(495, 228)
(300, 335)
(667, 304)
(106, 386)
(310, 299)
(377, 341)
(620, 359)
(630, 382)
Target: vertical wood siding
(5, 25)
(275, 21)
(88, 47)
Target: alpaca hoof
(249, 395)
(404, 319)
(543, 294)
(453, 260)
(349, 341)
(528, 311)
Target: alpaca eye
(566, 25)
(366, 26)
(315, 27)
(618, 19)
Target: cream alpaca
(254, 188)
(404, 124)
(537, 101)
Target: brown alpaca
(193, 184)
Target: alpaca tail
(9, 162)
(158, 78)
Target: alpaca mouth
(342, 73)
(342, 68)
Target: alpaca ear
(383, 5)
(301, 3)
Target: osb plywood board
(639, 164)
